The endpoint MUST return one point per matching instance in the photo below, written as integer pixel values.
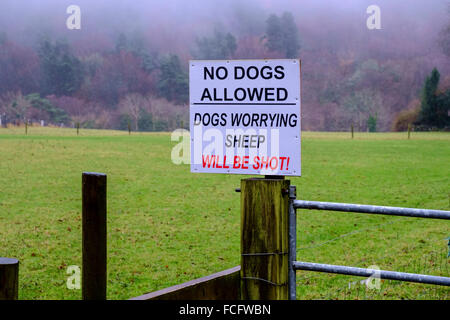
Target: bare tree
(15, 106)
(132, 104)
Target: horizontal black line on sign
(245, 104)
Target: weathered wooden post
(9, 279)
(352, 130)
(264, 239)
(94, 236)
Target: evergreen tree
(282, 35)
(219, 46)
(137, 47)
(145, 121)
(291, 40)
(173, 81)
(62, 72)
(372, 123)
(55, 114)
(121, 43)
(274, 34)
(434, 106)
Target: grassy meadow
(167, 226)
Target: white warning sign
(245, 116)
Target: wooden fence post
(94, 236)
(264, 239)
(9, 279)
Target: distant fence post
(94, 236)
(264, 239)
(9, 279)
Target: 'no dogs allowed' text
(245, 116)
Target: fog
(333, 34)
(416, 21)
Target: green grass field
(167, 226)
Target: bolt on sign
(245, 116)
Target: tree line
(132, 85)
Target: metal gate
(346, 270)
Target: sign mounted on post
(245, 116)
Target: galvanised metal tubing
(292, 243)
(393, 211)
(382, 274)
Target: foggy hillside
(127, 65)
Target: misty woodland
(127, 66)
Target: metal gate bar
(382, 274)
(348, 207)
(292, 277)
(361, 208)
